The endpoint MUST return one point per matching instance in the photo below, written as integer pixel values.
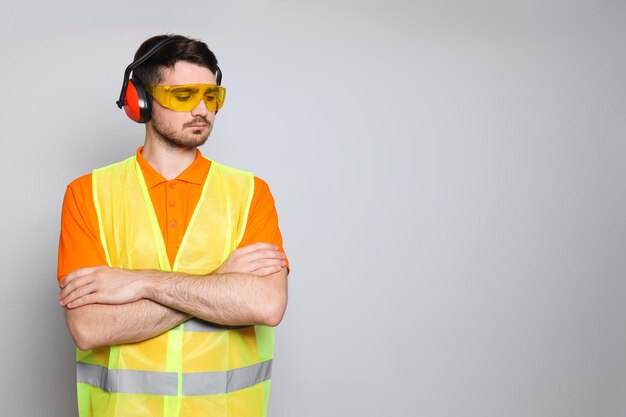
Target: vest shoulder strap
(240, 186)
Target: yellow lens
(187, 97)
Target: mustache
(198, 120)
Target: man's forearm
(97, 325)
(232, 299)
(108, 306)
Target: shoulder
(261, 188)
(116, 167)
(234, 179)
(81, 181)
(80, 187)
(262, 198)
(228, 170)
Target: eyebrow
(184, 90)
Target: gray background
(449, 177)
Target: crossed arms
(107, 306)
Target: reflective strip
(127, 380)
(166, 383)
(205, 383)
(197, 325)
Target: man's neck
(167, 161)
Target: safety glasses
(187, 97)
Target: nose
(200, 109)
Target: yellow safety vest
(198, 368)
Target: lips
(197, 123)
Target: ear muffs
(134, 98)
(137, 102)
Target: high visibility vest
(198, 368)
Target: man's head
(183, 49)
(186, 62)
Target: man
(171, 266)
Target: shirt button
(172, 184)
(173, 223)
(172, 204)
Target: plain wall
(449, 178)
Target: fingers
(263, 272)
(69, 278)
(264, 254)
(251, 258)
(256, 247)
(256, 260)
(242, 257)
(275, 264)
(83, 301)
(261, 255)
(70, 299)
(75, 284)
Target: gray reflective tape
(127, 380)
(166, 383)
(206, 383)
(197, 325)
(241, 378)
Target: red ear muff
(137, 102)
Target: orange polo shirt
(174, 202)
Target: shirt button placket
(171, 204)
(169, 190)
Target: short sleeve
(79, 241)
(262, 224)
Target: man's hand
(260, 259)
(99, 285)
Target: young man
(171, 266)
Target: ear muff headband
(134, 98)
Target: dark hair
(184, 49)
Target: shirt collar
(195, 173)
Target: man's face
(186, 129)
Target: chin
(184, 143)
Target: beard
(188, 137)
